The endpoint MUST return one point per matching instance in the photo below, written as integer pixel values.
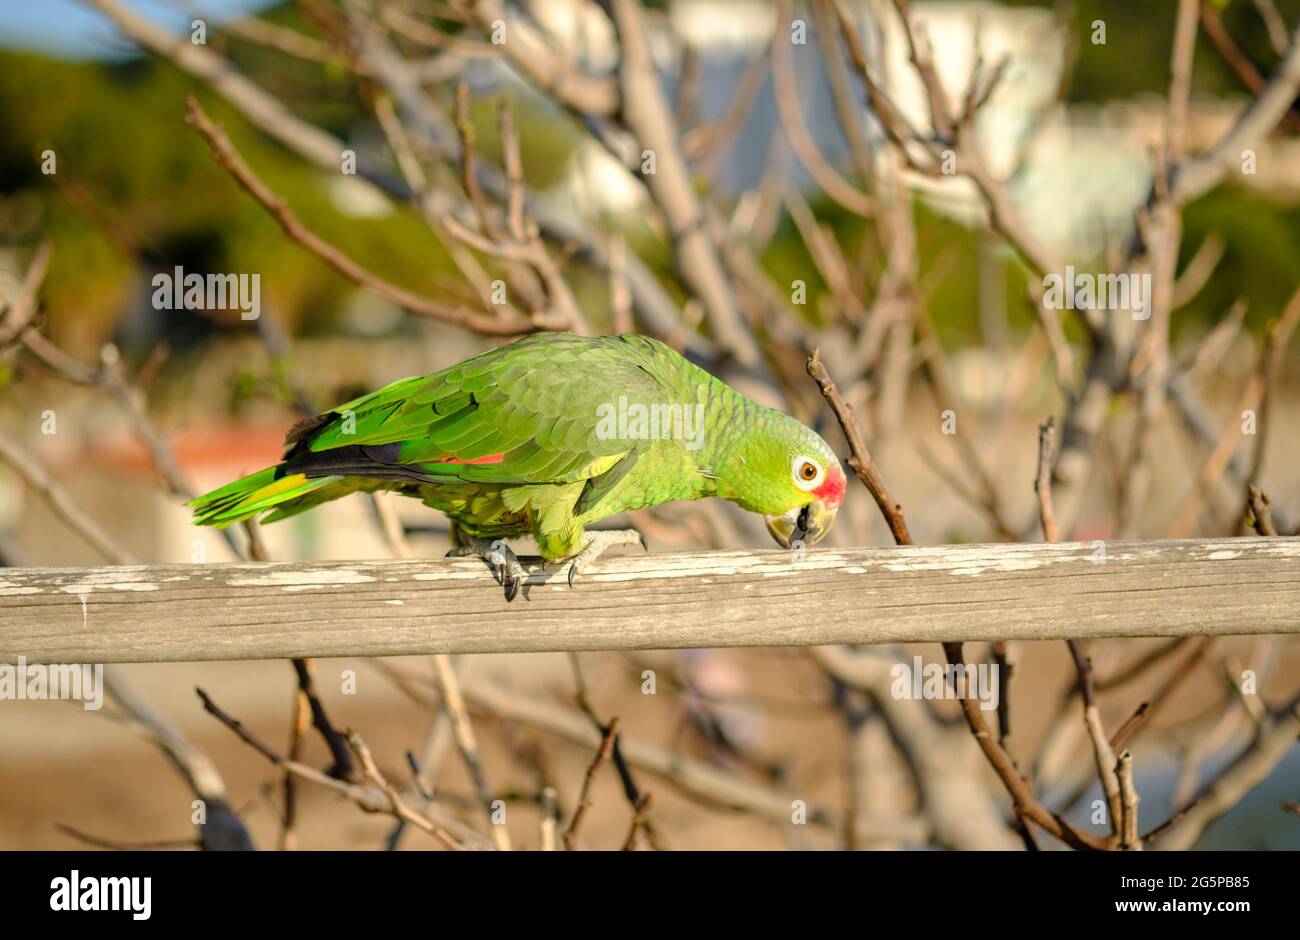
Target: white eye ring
(798, 468)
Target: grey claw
(501, 561)
(573, 569)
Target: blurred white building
(1077, 172)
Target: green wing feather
(533, 404)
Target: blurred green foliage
(136, 189)
(1139, 39)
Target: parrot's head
(793, 478)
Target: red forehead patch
(831, 492)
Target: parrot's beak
(807, 524)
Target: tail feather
(253, 495)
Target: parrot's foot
(597, 542)
(510, 574)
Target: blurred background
(818, 229)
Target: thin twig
(584, 797)
(371, 799)
(18, 314)
(1261, 512)
(860, 460)
(224, 152)
(56, 497)
(1043, 482)
(1129, 800)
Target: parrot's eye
(807, 473)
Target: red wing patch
(490, 458)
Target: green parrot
(544, 437)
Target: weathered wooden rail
(770, 598)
